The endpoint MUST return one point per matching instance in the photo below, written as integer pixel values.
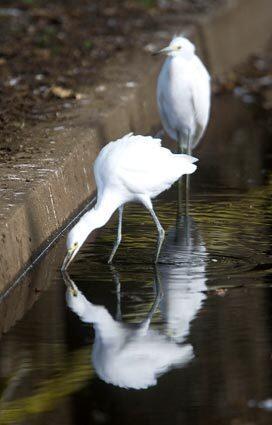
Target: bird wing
(147, 169)
(200, 95)
(124, 163)
(166, 116)
(139, 363)
(106, 160)
(165, 107)
(139, 165)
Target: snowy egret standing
(183, 96)
(133, 168)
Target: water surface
(202, 352)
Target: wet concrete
(215, 273)
(42, 190)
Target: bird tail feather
(186, 163)
(190, 158)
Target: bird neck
(102, 211)
(105, 326)
(107, 331)
(185, 55)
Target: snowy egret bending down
(133, 168)
(183, 94)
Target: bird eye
(75, 244)
(178, 47)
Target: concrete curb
(57, 179)
(56, 182)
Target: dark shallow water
(206, 355)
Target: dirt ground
(48, 50)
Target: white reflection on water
(128, 355)
(183, 277)
(135, 355)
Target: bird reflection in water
(183, 276)
(125, 354)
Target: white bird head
(179, 46)
(77, 236)
(75, 240)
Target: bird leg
(180, 185)
(158, 291)
(189, 150)
(161, 232)
(180, 190)
(187, 185)
(180, 145)
(116, 278)
(69, 283)
(119, 234)
(159, 294)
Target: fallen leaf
(61, 92)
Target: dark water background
(215, 273)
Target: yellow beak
(68, 258)
(69, 283)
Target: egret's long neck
(102, 211)
(180, 58)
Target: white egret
(183, 94)
(127, 355)
(133, 168)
